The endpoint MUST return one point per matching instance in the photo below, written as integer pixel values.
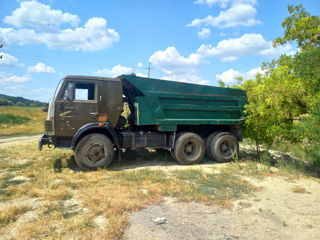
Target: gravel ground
(276, 212)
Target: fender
(90, 126)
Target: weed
(143, 175)
(309, 226)
(5, 180)
(11, 214)
(11, 119)
(197, 185)
(245, 204)
(299, 190)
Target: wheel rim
(190, 149)
(227, 148)
(95, 153)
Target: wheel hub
(95, 152)
(226, 148)
(189, 148)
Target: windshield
(57, 89)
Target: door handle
(68, 108)
(93, 113)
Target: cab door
(76, 107)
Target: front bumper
(45, 139)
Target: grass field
(21, 120)
(62, 202)
(69, 201)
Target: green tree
(221, 83)
(301, 27)
(309, 133)
(275, 100)
(20, 104)
(289, 89)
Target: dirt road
(284, 209)
(10, 140)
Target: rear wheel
(189, 148)
(224, 147)
(172, 150)
(208, 144)
(94, 151)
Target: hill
(6, 100)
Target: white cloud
(38, 15)
(9, 60)
(237, 15)
(176, 66)
(41, 68)
(94, 35)
(204, 33)
(139, 74)
(139, 64)
(114, 72)
(224, 3)
(9, 78)
(246, 45)
(228, 59)
(230, 75)
(171, 62)
(193, 78)
(275, 52)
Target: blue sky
(198, 41)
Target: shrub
(309, 131)
(12, 119)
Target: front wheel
(94, 151)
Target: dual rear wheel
(222, 146)
(190, 148)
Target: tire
(189, 149)
(94, 151)
(208, 144)
(173, 156)
(171, 152)
(224, 147)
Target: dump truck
(189, 120)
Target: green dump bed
(169, 103)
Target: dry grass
(11, 214)
(73, 199)
(34, 126)
(299, 190)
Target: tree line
(6, 100)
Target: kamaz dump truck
(186, 119)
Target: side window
(84, 91)
(68, 92)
